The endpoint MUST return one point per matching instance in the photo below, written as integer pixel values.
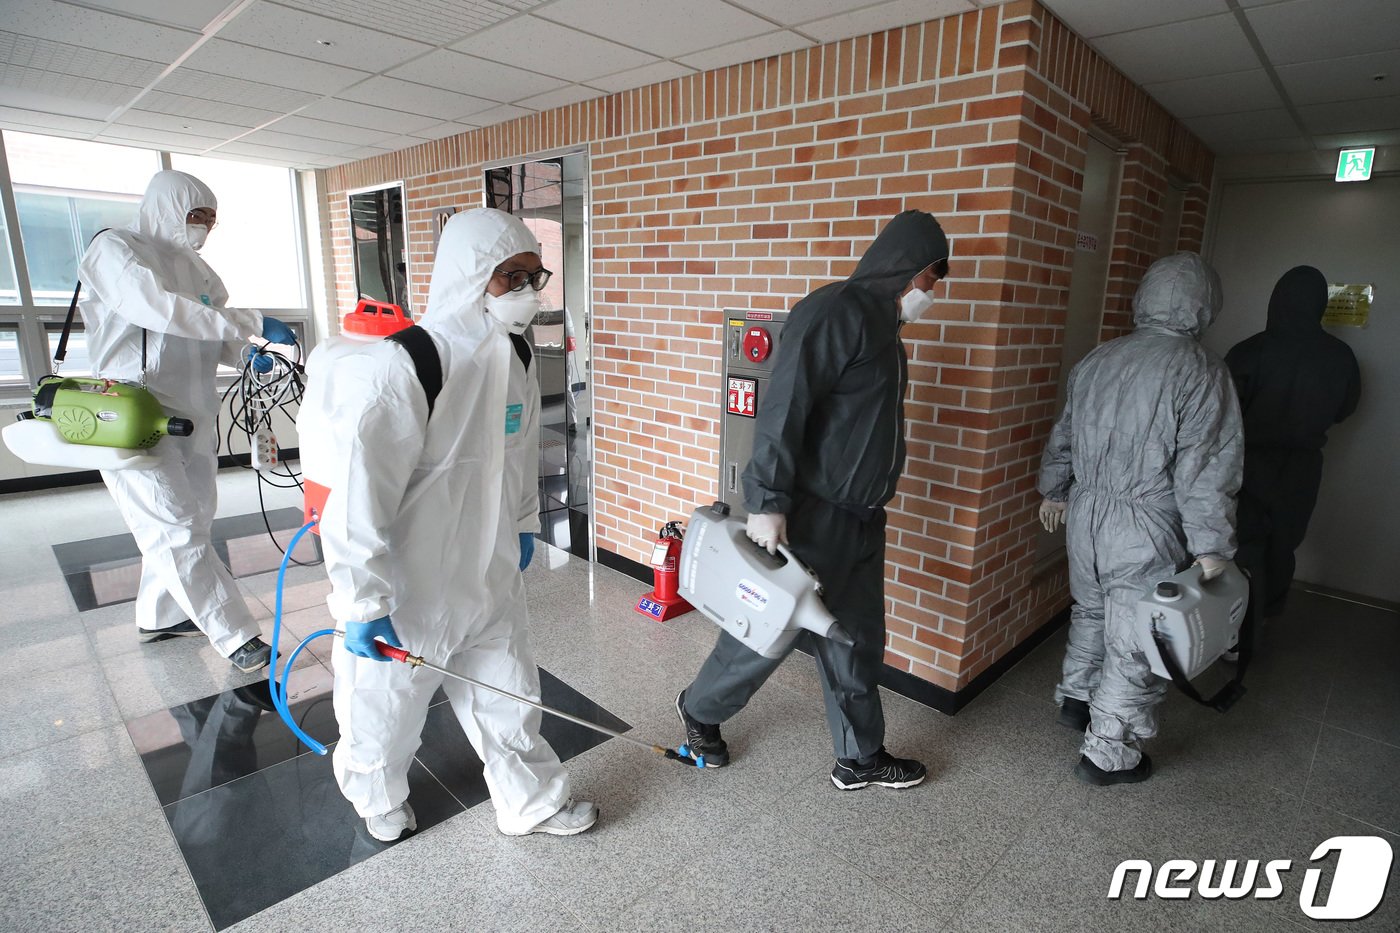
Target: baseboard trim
(625, 565)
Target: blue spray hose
(277, 686)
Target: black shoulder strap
(1229, 694)
(522, 350)
(419, 344)
(62, 352)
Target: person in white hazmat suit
(427, 527)
(155, 311)
(1144, 463)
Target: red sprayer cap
(375, 319)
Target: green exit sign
(1355, 164)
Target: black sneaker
(181, 630)
(1090, 773)
(255, 655)
(702, 740)
(883, 769)
(1074, 714)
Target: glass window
(76, 362)
(11, 367)
(9, 286)
(65, 191)
(254, 247)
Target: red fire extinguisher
(664, 601)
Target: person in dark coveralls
(1295, 381)
(828, 451)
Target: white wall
(1261, 229)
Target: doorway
(1088, 284)
(550, 196)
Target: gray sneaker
(572, 819)
(179, 630)
(392, 825)
(255, 655)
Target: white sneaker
(392, 825)
(572, 819)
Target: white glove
(767, 531)
(1211, 567)
(1052, 514)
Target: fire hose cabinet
(750, 344)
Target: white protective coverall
(147, 276)
(422, 524)
(1148, 453)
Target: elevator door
(549, 196)
(1088, 282)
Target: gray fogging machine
(761, 600)
(1185, 624)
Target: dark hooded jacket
(1295, 380)
(831, 422)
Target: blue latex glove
(527, 549)
(274, 331)
(262, 363)
(359, 637)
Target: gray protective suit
(828, 451)
(1148, 452)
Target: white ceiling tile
(179, 124)
(270, 26)
(641, 77)
(881, 17)
(445, 130)
(295, 143)
(148, 137)
(96, 29)
(788, 12)
(188, 14)
(1232, 93)
(747, 50)
(269, 154)
(20, 118)
(64, 58)
(1093, 18)
(1347, 78)
(551, 48)
(467, 74)
(228, 90)
(1308, 30)
(1261, 146)
(1214, 45)
(73, 97)
(300, 125)
(397, 143)
(219, 112)
(1254, 124)
(416, 98)
(372, 118)
(1365, 138)
(1380, 113)
(431, 21)
(573, 94)
(499, 114)
(221, 57)
(368, 152)
(698, 24)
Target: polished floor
(146, 787)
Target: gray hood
(1180, 294)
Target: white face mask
(514, 310)
(914, 304)
(196, 234)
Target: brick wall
(749, 186)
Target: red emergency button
(758, 344)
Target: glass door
(550, 196)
